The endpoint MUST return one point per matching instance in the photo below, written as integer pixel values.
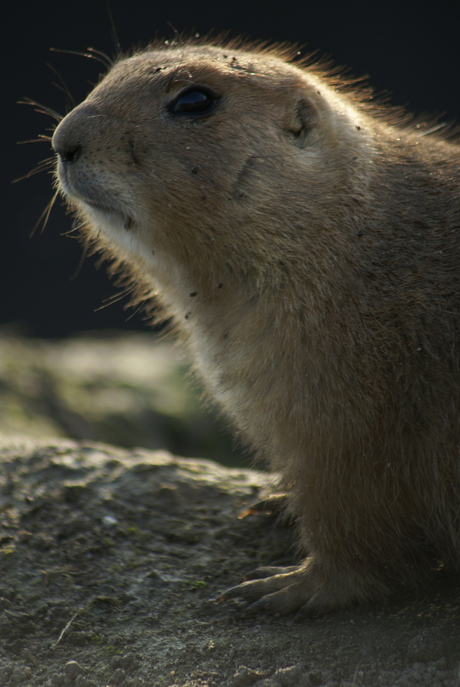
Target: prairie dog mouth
(90, 197)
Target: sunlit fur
(305, 242)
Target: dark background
(409, 49)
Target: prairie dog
(307, 247)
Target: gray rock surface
(111, 561)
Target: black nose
(69, 154)
(71, 134)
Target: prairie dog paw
(281, 591)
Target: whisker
(73, 230)
(109, 61)
(91, 55)
(41, 138)
(41, 167)
(45, 215)
(42, 109)
(62, 86)
(113, 29)
(142, 305)
(62, 89)
(82, 259)
(432, 129)
(115, 298)
(76, 228)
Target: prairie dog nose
(72, 132)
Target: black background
(409, 49)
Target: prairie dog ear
(303, 116)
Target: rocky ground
(111, 559)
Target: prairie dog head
(206, 157)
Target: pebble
(245, 677)
(72, 669)
(119, 675)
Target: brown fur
(308, 251)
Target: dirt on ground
(111, 562)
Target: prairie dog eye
(196, 100)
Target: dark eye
(195, 101)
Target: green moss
(199, 584)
